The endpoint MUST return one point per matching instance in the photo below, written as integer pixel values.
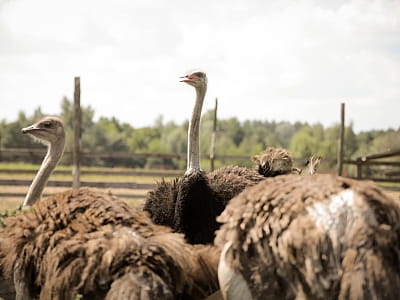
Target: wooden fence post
(341, 141)
(76, 151)
(213, 137)
(359, 164)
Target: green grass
(17, 166)
(5, 214)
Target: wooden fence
(130, 189)
(391, 175)
(390, 168)
(147, 182)
(116, 155)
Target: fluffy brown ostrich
(277, 161)
(191, 203)
(310, 237)
(119, 263)
(49, 130)
(227, 182)
(88, 243)
(273, 161)
(82, 242)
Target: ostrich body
(83, 242)
(310, 237)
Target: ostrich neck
(193, 158)
(54, 153)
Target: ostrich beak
(187, 78)
(29, 129)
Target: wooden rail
(136, 173)
(389, 176)
(373, 160)
(42, 152)
(137, 190)
(113, 155)
(68, 183)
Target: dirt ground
(394, 194)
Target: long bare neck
(54, 153)
(193, 155)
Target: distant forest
(233, 138)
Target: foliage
(109, 135)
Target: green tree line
(233, 138)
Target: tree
(307, 141)
(233, 138)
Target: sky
(265, 60)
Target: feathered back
(226, 182)
(160, 202)
(120, 264)
(88, 243)
(30, 234)
(319, 237)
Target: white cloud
(275, 60)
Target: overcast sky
(265, 60)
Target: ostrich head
(273, 161)
(48, 130)
(196, 79)
(312, 164)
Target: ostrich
(277, 161)
(273, 161)
(83, 242)
(119, 263)
(50, 131)
(89, 243)
(191, 203)
(310, 237)
(187, 203)
(312, 164)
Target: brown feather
(86, 242)
(319, 237)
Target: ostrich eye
(47, 124)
